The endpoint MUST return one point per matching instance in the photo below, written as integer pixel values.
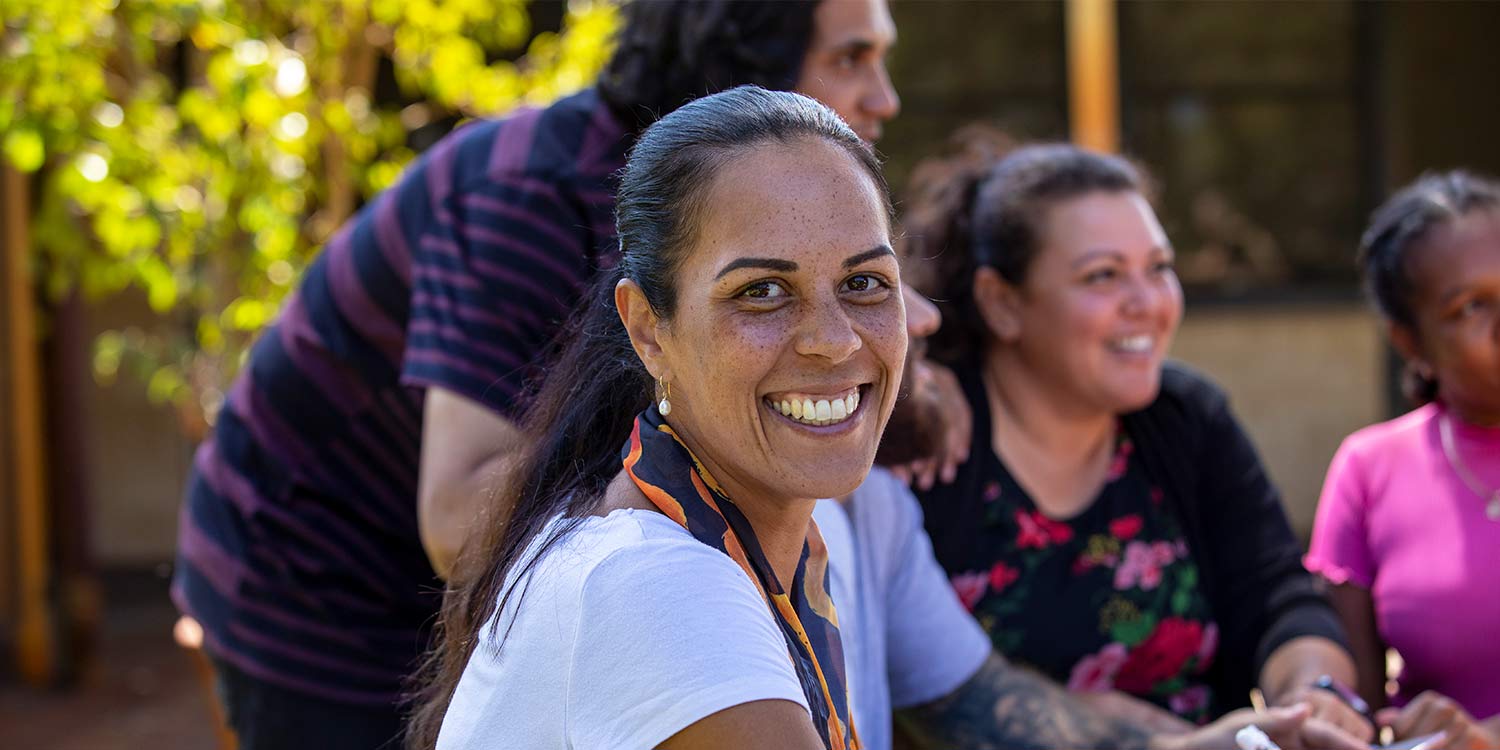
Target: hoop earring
(665, 406)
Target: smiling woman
(1114, 528)
(661, 564)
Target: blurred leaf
(23, 146)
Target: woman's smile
(819, 411)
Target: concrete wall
(1300, 379)
(136, 457)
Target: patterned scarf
(680, 486)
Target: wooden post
(1093, 74)
(360, 64)
(36, 648)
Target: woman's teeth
(822, 411)
(1134, 344)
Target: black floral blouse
(1109, 599)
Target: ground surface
(143, 692)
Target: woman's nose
(828, 333)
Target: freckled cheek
(884, 332)
(744, 355)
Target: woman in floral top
(1149, 629)
(1113, 527)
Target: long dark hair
(671, 51)
(981, 206)
(1396, 232)
(593, 391)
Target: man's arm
(1003, 706)
(467, 450)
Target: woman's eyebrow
(875, 252)
(774, 264)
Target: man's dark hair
(672, 51)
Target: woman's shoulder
(635, 559)
(594, 545)
(628, 566)
(617, 607)
(1394, 437)
(1186, 387)
(1187, 401)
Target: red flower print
(1057, 531)
(970, 587)
(1161, 656)
(1002, 575)
(1037, 530)
(1125, 528)
(1141, 566)
(1157, 496)
(1096, 672)
(1030, 534)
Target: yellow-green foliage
(202, 150)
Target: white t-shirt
(574, 673)
(627, 631)
(907, 638)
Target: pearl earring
(665, 407)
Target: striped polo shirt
(298, 546)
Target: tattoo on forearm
(1004, 706)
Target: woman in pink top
(1408, 526)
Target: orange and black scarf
(680, 486)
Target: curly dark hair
(1396, 232)
(979, 205)
(672, 51)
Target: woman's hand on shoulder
(958, 429)
(1433, 712)
(750, 726)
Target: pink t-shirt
(1396, 518)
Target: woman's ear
(1409, 346)
(642, 325)
(999, 303)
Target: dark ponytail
(595, 388)
(1396, 232)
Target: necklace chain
(1456, 462)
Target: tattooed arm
(1004, 706)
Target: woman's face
(784, 354)
(1100, 303)
(1455, 275)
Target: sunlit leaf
(24, 149)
